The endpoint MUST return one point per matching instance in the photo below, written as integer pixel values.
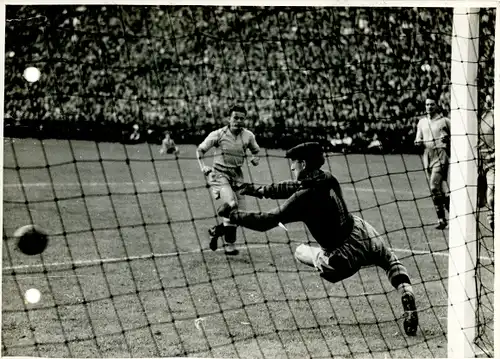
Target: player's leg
(445, 171)
(376, 252)
(333, 267)
(227, 195)
(235, 199)
(232, 196)
(307, 254)
(216, 182)
(490, 195)
(439, 198)
(433, 172)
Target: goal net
(128, 271)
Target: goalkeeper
(346, 242)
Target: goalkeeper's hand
(249, 189)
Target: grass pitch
(128, 272)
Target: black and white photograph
(248, 180)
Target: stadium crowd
(353, 78)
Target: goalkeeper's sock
(230, 234)
(215, 232)
(405, 288)
(230, 238)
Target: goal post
(496, 325)
(463, 184)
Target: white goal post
(463, 184)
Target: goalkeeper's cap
(310, 152)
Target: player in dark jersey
(346, 242)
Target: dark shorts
(365, 247)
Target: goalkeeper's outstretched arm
(290, 211)
(281, 190)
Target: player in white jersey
(486, 148)
(168, 144)
(433, 133)
(231, 143)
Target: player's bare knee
(305, 254)
(299, 252)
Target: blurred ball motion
(31, 239)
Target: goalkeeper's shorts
(364, 247)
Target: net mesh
(485, 245)
(127, 271)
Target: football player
(433, 133)
(231, 143)
(346, 242)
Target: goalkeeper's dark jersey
(321, 207)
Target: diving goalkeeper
(346, 242)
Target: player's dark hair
(238, 108)
(433, 96)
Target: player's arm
(281, 190)
(446, 135)
(209, 142)
(254, 149)
(419, 138)
(290, 211)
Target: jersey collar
(435, 117)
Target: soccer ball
(31, 239)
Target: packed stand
(355, 79)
